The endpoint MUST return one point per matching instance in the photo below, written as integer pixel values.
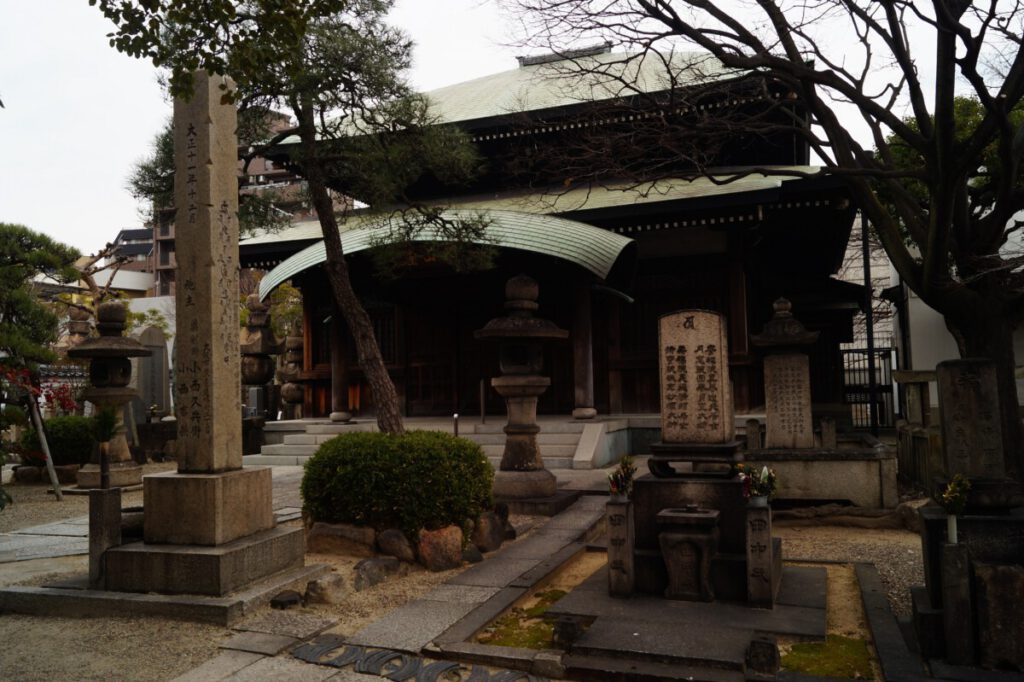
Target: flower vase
(618, 498)
(758, 501)
(951, 529)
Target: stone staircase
(557, 442)
(292, 443)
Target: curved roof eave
(590, 247)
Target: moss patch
(837, 656)
(524, 627)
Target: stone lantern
(110, 371)
(521, 338)
(292, 391)
(258, 348)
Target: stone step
(288, 449)
(498, 425)
(542, 438)
(545, 450)
(274, 460)
(335, 429)
(313, 439)
(549, 462)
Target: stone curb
(898, 663)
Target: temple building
(611, 249)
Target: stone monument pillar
(787, 380)
(521, 357)
(210, 501)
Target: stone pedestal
(829, 438)
(956, 599)
(122, 475)
(207, 509)
(621, 575)
(689, 541)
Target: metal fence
(856, 387)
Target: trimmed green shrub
(70, 438)
(410, 481)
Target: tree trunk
(991, 336)
(385, 398)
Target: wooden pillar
(583, 354)
(740, 360)
(339, 370)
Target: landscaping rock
(341, 538)
(330, 589)
(28, 474)
(440, 550)
(501, 510)
(489, 532)
(394, 543)
(369, 572)
(472, 554)
(286, 600)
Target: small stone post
(958, 619)
(829, 438)
(621, 575)
(104, 530)
(760, 567)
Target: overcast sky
(77, 114)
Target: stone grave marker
(969, 412)
(696, 399)
(787, 380)
(154, 382)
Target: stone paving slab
(461, 594)
(495, 572)
(22, 547)
(548, 565)
(474, 621)
(280, 670)
(412, 626)
(259, 643)
(289, 623)
(803, 586)
(225, 664)
(806, 621)
(709, 644)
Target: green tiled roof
(589, 247)
(572, 81)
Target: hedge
(71, 440)
(410, 481)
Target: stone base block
(524, 484)
(122, 475)
(207, 509)
(194, 569)
(928, 628)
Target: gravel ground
(895, 553)
(33, 505)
